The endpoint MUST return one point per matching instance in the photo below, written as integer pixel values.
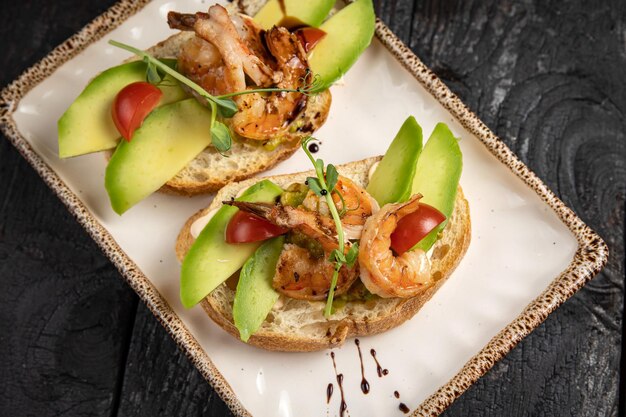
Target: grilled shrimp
(383, 273)
(262, 117)
(309, 223)
(237, 58)
(300, 273)
(226, 49)
(202, 63)
(359, 205)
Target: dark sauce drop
(313, 147)
(396, 394)
(240, 6)
(343, 407)
(281, 4)
(379, 369)
(404, 408)
(365, 385)
(329, 392)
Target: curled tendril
(164, 83)
(310, 83)
(344, 210)
(306, 141)
(307, 88)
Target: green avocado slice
(298, 13)
(393, 178)
(169, 138)
(210, 260)
(255, 295)
(348, 34)
(87, 125)
(437, 177)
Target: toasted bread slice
(296, 325)
(210, 171)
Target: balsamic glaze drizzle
(365, 385)
(379, 369)
(343, 406)
(281, 4)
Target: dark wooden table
(546, 75)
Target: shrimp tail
(181, 21)
(382, 272)
(260, 209)
(308, 223)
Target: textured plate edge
(136, 279)
(590, 257)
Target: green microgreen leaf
(226, 107)
(152, 74)
(319, 167)
(336, 256)
(220, 136)
(331, 177)
(314, 185)
(352, 255)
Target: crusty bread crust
(299, 326)
(210, 171)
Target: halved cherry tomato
(414, 227)
(309, 37)
(246, 227)
(131, 106)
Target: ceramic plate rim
(590, 257)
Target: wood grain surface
(546, 75)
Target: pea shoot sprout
(323, 185)
(222, 104)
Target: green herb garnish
(220, 134)
(323, 184)
(152, 74)
(222, 105)
(310, 86)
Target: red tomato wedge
(309, 37)
(131, 106)
(246, 227)
(414, 227)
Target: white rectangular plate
(528, 254)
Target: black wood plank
(544, 75)
(65, 315)
(159, 380)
